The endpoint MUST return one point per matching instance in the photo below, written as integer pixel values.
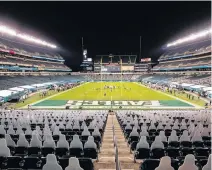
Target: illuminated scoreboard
(111, 68)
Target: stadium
(116, 111)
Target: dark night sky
(108, 27)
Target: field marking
(54, 95)
(196, 106)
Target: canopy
(187, 85)
(27, 87)
(6, 93)
(207, 89)
(19, 89)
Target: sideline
(196, 106)
(26, 106)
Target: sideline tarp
(7, 93)
(19, 89)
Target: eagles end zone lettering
(113, 103)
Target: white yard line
(196, 106)
(54, 95)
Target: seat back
(142, 153)
(90, 153)
(61, 152)
(32, 163)
(76, 152)
(150, 164)
(34, 151)
(158, 153)
(21, 150)
(86, 163)
(46, 151)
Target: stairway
(125, 157)
(107, 151)
(107, 154)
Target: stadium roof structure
(21, 35)
(191, 37)
(17, 42)
(191, 47)
(195, 43)
(8, 43)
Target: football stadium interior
(118, 113)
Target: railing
(118, 167)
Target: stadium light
(9, 31)
(191, 37)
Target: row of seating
(187, 163)
(51, 162)
(154, 146)
(46, 139)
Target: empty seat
(62, 146)
(134, 135)
(189, 163)
(22, 142)
(165, 164)
(201, 152)
(208, 165)
(142, 149)
(10, 142)
(76, 147)
(90, 148)
(73, 164)
(85, 133)
(185, 137)
(62, 143)
(49, 142)
(163, 136)
(51, 163)
(150, 164)
(32, 162)
(4, 150)
(35, 142)
(157, 148)
(172, 152)
(14, 162)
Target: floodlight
(191, 37)
(6, 30)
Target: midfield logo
(153, 103)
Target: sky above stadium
(108, 27)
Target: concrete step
(105, 140)
(126, 159)
(107, 159)
(104, 165)
(122, 145)
(107, 145)
(129, 166)
(107, 152)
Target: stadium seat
(142, 153)
(150, 164)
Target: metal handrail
(118, 167)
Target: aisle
(125, 157)
(107, 154)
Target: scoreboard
(111, 68)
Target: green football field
(123, 91)
(125, 95)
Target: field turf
(123, 91)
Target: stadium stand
(177, 134)
(191, 56)
(72, 139)
(19, 56)
(114, 63)
(27, 137)
(109, 77)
